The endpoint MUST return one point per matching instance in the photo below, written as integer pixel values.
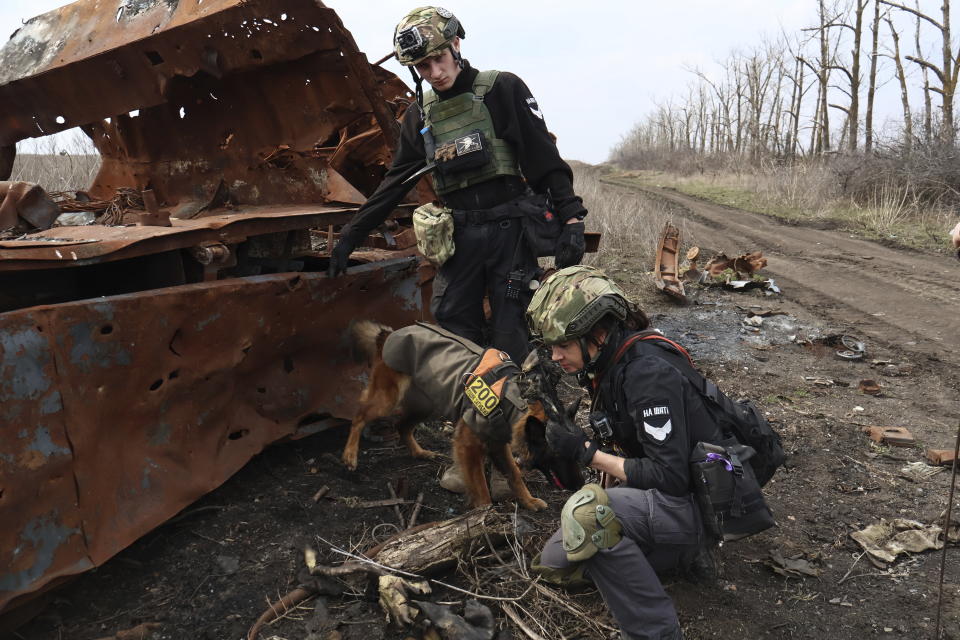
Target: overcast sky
(595, 68)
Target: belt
(481, 217)
(500, 213)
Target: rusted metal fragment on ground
(666, 268)
(261, 101)
(118, 414)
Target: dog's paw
(535, 504)
(350, 462)
(424, 454)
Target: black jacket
(516, 119)
(657, 416)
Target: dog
(391, 393)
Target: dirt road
(883, 294)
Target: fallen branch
(396, 507)
(416, 510)
(282, 605)
(507, 609)
(324, 490)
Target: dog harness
(454, 378)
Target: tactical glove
(570, 245)
(570, 444)
(340, 258)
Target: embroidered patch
(657, 425)
(444, 13)
(534, 107)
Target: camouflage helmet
(571, 301)
(423, 33)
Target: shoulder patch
(534, 107)
(655, 425)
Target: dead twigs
(278, 608)
(396, 506)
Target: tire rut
(905, 299)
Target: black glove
(570, 245)
(570, 444)
(339, 258)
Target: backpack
(742, 420)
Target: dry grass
(811, 193)
(66, 162)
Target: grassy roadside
(803, 197)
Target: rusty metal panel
(119, 413)
(259, 101)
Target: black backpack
(742, 420)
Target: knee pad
(588, 523)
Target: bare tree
(946, 71)
(872, 79)
(904, 94)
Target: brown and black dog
(392, 394)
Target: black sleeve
(655, 403)
(519, 120)
(407, 160)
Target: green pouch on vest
(433, 226)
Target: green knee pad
(570, 577)
(588, 524)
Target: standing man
(620, 537)
(488, 193)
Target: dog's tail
(366, 339)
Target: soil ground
(208, 573)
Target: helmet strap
(456, 56)
(594, 364)
(418, 81)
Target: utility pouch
(433, 226)
(469, 151)
(728, 494)
(541, 226)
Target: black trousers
(485, 254)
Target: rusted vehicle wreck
(143, 363)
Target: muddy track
(904, 299)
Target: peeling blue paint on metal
(25, 356)
(145, 483)
(43, 443)
(408, 293)
(51, 403)
(86, 351)
(42, 537)
(159, 434)
(203, 323)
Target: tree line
(814, 92)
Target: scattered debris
(919, 471)
(819, 382)
(321, 492)
(795, 566)
(25, 206)
(395, 598)
(477, 622)
(895, 436)
(940, 456)
(738, 273)
(885, 540)
(753, 321)
(869, 387)
(666, 267)
(692, 273)
(142, 631)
